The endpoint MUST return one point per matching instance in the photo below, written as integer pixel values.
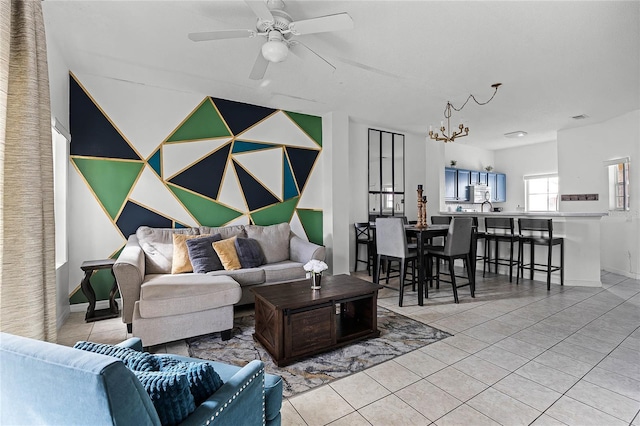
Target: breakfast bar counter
(581, 232)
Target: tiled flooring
(519, 355)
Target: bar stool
(539, 232)
(364, 237)
(499, 229)
(478, 236)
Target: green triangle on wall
(311, 124)
(110, 180)
(278, 213)
(312, 223)
(203, 123)
(206, 211)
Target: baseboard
(62, 316)
(623, 273)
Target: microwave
(479, 193)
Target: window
(60, 141)
(618, 183)
(541, 193)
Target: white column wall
(581, 153)
(336, 191)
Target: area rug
(398, 335)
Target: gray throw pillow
(202, 255)
(249, 252)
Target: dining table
(422, 235)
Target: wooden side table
(112, 311)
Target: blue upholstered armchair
(45, 383)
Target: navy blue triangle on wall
(93, 134)
(134, 215)
(256, 195)
(240, 116)
(302, 161)
(212, 167)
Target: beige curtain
(27, 246)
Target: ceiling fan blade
(261, 10)
(259, 67)
(340, 21)
(220, 35)
(308, 55)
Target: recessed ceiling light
(580, 117)
(516, 134)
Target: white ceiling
(396, 69)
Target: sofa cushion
(244, 277)
(181, 262)
(249, 252)
(202, 377)
(134, 360)
(170, 394)
(274, 240)
(202, 256)
(226, 251)
(224, 231)
(162, 295)
(157, 244)
(287, 270)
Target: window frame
(547, 176)
(619, 179)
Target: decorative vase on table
(316, 280)
(315, 267)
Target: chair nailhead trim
(259, 373)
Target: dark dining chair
(457, 246)
(391, 246)
(364, 238)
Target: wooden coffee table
(293, 321)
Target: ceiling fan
(279, 29)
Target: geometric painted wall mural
(224, 162)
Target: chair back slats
(506, 224)
(362, 231)
(440, 220)
(391, 238)
(459, 236)
(544, 227)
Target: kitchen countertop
(528, 214)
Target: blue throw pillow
(170, 394)
(202, 255)
(249, 252)
(134, 360)
(202, 377)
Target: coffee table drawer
(308, 330)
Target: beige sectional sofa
(160, 307)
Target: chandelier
(450, 135)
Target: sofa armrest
(303, 251)
(240, 401)
(129, 271)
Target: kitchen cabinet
(456, 182)
(464, 179)
(450, 184)
(501, 188)
(498, 187)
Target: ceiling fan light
(275, 51)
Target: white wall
(418, 170)
(525, 160)
(581, 153)
(468, 156)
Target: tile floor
(519, 355)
